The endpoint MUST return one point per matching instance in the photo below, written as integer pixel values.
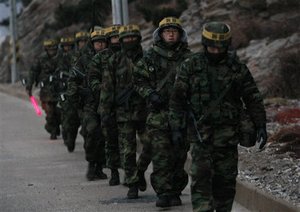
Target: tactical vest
(209, 82)
(160, 62)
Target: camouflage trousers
(94, 143)
(112, 149)
(70, 122)
(145, 157)
(213, 171)
(168, 176)
(52, 117)
(127, 138)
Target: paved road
(37, 174)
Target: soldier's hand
(262, 136)
(177, 138)
(106, 121)
(155, 100)
(29, 90)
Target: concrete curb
(255, 199)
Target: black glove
(106, 121)
(262, 136)
(29, 90)
(155, 100)
(177, 138)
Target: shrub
(90, 12)
(157, 12)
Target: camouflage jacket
(198, 83)
(95, 72)
(78, 91)
(156, 72)
(42, 72)
(118, 83)
(63, 69)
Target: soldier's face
(215, 50)
(51, 52)
(99, 45)
(67, 48)
(81, 44)
(130, 39)
(114, 39)
(170, 35)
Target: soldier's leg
(145, 157)
(224, 179)
(112, 152)
(161, 160)
(127, 135)
(179, 176)
(52, 118)
(71, 123)
(201, 172)
(93, 145)
(64, 111)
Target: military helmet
(50, 44)
(82, 36)
(129, 30)
(67, 41)
(99, 34)
(170, 22)
(113, 30)
(216, 34)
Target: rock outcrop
(264, 33)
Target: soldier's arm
(94, 75)
(252, 97)
(107, 95)
(34, 73)
(179, 97)
(141, 79)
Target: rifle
(124, 96)
(77, 72)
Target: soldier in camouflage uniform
(82, 96)
(154, 79)
(73, 114)
(119, 99)
(95, 73)
(69, 116)
(42, 73)
(201, 80)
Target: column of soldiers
(167, 97)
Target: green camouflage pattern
(168, 175)
(214, 161)
(42, 72)
(96, 68)
(130, 115)
(81, 95)
(70, 120)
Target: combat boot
(90, 174)
(142, 181)
(99, 174)
(53, 136)
(175, 200)
(163, 202)
(70, 143)
(133, 192)
(115, 179)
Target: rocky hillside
(266, 34)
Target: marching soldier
(119, 100)
(42, 72)
(212, 87)
(154, 79)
